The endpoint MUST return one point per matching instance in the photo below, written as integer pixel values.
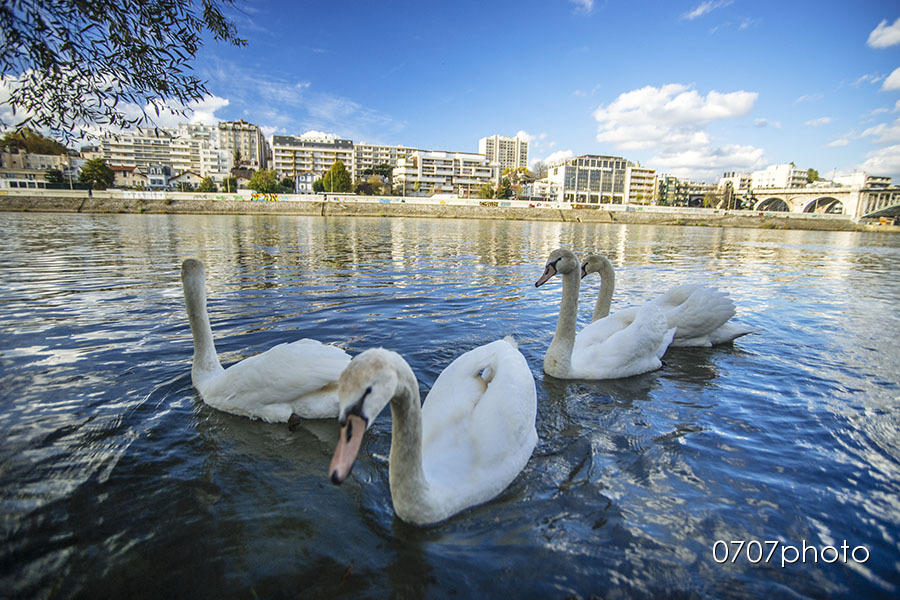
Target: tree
(229, 184)
(486, 191)
(337, 179)
(812, 175)
(264, 181)
(207, 185)
(503, 190)
(318, 186)
(53, 176)
(74, 63)
(97, 174)
(540, 170)
(31, 142)
(184, 186)
(287, 185)
(237, 158)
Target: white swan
(470, 439)
(616, 346)
(296, 379)
(699, 314)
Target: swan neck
(409, 487)
(205, 357)
(558, 360)
(607, 287)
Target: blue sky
(691, 88)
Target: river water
(117, 481)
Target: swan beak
(549, 272)
(348, 445)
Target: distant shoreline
(235, 204)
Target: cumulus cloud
(558, 156)
(705, 7)
(885, 35)
(818, 122)
(884, 162)
(525, 136)
(886, 133)
(672, 120)
(893, 81)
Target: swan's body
(472, 436)
(620, 345)
(699, 314)
(297, 378)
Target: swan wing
(288, 378)
(695, 311)
(729, 332)
(478, 425)
(627, 343)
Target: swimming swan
(699, 314)
(293, 379)
(462, 447)
(615, 346)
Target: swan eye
(349, 430)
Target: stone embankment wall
(162, 204)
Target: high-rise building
(138, 148)
(247, 139)
(508, 153)
(292, 155)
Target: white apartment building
(640, 184)
(292, 155)
(196, 148)
(508, 153)
(369, 156)
(778, 176)
(740, 182)
(246, 138)
(593, 179)
(138, 148)
(428, 172)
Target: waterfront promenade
(247, 202)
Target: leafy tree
(287, 185)
(337, 179)
(318, 186)
(53, 176)
(97, 174)
(503, 190)
(364, 188)
(486, 191)
(184, 186)
(229, 184)
(207, 185)
(70, 63)
(237, 158)
(264, 181)
(812, 175)
(32, 142)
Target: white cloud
(884, 161)
(525, 136)
(868, 78)
(884, 132)
(318, 135)
(553, 157)
(583, 5)
(819, 122)
(672, 120)
(885, 35)
(705, 7)
(838, 143)
(893, 81)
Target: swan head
(562, 261)
(596, 263)
(365, 387)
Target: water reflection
(116, 480)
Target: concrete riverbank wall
(338, 205)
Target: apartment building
(640, 184)
(508, 153)
(292, 156)
(138, 148)
(428, 172)
(778, 176)
(196, 148)
(591, 179)
(19, 164)
(369, 156)
(247, 139)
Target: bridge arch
(773, 204)
(825, 205)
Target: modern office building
(590, 179)
(292, 156)
(508, 153)
(427, 172)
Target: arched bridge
(840, 200)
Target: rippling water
(117, 481)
